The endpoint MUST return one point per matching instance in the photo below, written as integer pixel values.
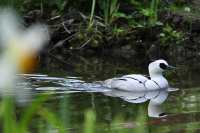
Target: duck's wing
(133, 82)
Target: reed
(91, 21)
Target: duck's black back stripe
(157, 84)
(145, 84)
(134, 79)
(159, 89)
(122, 79)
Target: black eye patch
(163, 66)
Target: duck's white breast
(161, 82)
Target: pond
(69, 101)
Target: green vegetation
(95, 23)
(89, 125)
(169, 35)
(92, 15)
(22, 122)
(11, 123)
(152, 13)
(110, 10)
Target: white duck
(137, 88)
(137, 82)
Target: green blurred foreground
(49, 122)
(45, 114)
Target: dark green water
(112, 113)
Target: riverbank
(151, 29)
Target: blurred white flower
(18, 45)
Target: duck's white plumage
(137, 82)
(136, 88)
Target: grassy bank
(141, 26)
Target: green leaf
(30, 111)
(51, 118)
(89, 124)
(146, 12)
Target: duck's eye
(163, 66)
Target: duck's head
(158, 67)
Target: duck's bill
(170, 67)
(170, 89)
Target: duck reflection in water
(156, 99)
(136, 88)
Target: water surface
(74, 90)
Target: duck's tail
(107, 83)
